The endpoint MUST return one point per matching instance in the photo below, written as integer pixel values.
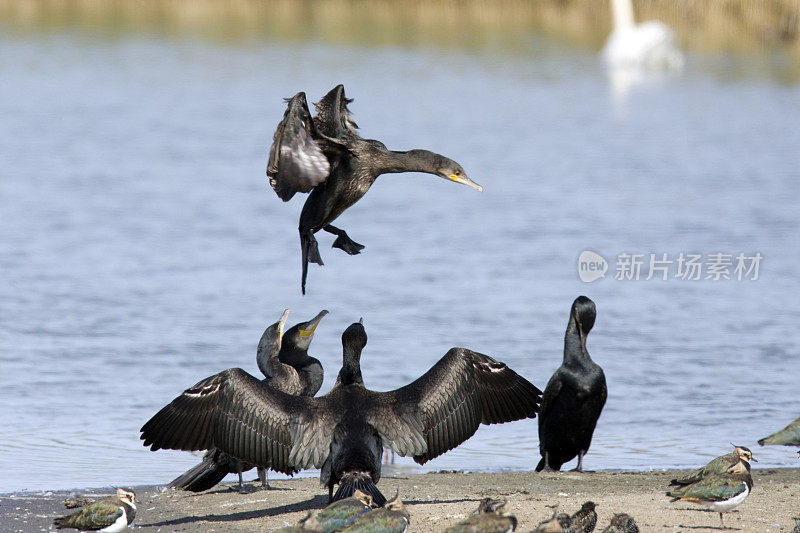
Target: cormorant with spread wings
(325, 155)
(283, 359)
(344, 431)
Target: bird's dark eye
(457, 172)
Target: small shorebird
(339, 514)
(391, 518)
(110, 515)
(718, 492)
(718, 465)
(490, 517)
(586, 517)
(622, 523)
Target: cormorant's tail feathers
(199, 478)
(540, 466)
(362, 481)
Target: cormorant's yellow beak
(312, 324)
(460, 178)
(282, 323)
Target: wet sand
(438, 500)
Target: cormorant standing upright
(574, 396)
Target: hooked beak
(312, 324)
(282, 323)
(465, 181)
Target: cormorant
(788, 436)
(325, 155)
(718, 465)
(718, 492)
(343, 432)
(283, 359)
(574, 396)
(110, 515)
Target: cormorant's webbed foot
(343, 242)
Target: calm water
(142, 249)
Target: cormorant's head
(744, 453)
(450, 170)
(300, 335)
(355, 337)
(584, 313)
(272, 337)
(126, 496)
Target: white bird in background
(649, 46)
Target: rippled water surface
(141, 248)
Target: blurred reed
(701, 25)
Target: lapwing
(391, 518)
(339, 514)
(574, 396)
(490, 517)
(718, 492)
(110, 515)
(718, 465)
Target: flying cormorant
(574, 396)
(344, 431)
(325, 155)
(283, 359)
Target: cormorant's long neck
(267, 357)
(575, 344)
(409, 161)
(295, 357)
(351, 367)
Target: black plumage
(343, 432)
(326, 156)
(283, 359)
(574, 396)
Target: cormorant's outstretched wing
(235, 412)
(296, 161)
(333, 118)
(445, 406)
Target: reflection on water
(143, 250)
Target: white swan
(647, 46)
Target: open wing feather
(235, 412)
(296, 161)
(445, 406)
(333, 117)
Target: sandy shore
(439, 500)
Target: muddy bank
(439, 500)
